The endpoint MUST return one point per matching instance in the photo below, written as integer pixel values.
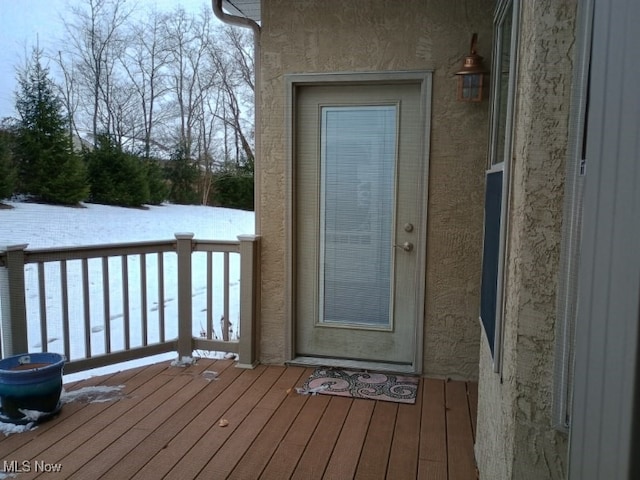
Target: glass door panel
(357, 209)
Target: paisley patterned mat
(374, 386)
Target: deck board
(68, 420)
(461, 464)
(114, 423)
(403, 458)
(375, 455)
(345, 456)
(192, 433)
(156, 442)
(255, 459)
(290, 450)
(172, 401)
(472, 391)
(321, 444)
(192, 463)
(91, 426)
(229, 455)
(166, 426)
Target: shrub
(233, 188)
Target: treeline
(110, 176)
(135, 109)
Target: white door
(360, 182)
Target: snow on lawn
(42, 226)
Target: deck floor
(167, 426)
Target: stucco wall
(514, 416)
(318, 36)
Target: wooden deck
(167, 426)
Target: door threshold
(353, 364)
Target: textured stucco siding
(319, 36)
(495, 423)
(514, 416)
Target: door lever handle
(406, 246)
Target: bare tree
(145, 63)
(94, 38)
(241, 50)
(208, 137)
(162, 80)
(123, 113)
(69, 93)
(233, 59)
(189, 41)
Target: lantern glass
(470, 87)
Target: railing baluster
(42, 297)
(161, 295)
(106, 306)
(226, 322)
(125, 301)
(87, 308)
(143, 298)
(209, 295)
(65, 308)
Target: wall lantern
(471, 76)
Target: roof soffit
(243, 8)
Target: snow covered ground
(42, 226)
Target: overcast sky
(23, 23)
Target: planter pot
(30, 382)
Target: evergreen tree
(183, 175)
(47, 167)
(116, 177)
(158, 188)
(7, 170)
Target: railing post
(249, 300)
(14, 308)
(185, 314)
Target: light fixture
(471, 76)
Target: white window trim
(504, 165)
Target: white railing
(105, 304)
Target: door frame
(292, 83)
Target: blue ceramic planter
(30, 382)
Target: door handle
(406, 246)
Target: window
(497, 176)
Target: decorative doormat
(374, 386)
